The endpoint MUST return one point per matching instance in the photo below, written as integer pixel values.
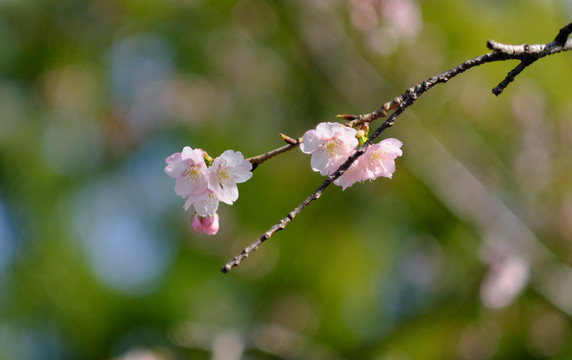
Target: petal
(188, 203)
(227, 194)
(310, 142)
(176, 167)
(213, 183)
(191, 156)
(183, 187)
(328, 129)
(242, 172)
(352, 175)
(389, 168)
(206, 203)
(320, 162)
(231, 158)
(391, 147)
(348, 137)
(392, 142)
(344, 181)
(200, 184)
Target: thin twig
(526, 53)
(497, 90)
(356, 120)
(259, 159)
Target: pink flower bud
(208, 224)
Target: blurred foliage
(462, 255)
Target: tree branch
(259, 159)
(528, 54)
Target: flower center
(330, 147)
(194, 173)
(375, 157)
(223, 176)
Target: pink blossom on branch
(378, 160)
(203, 182)
(189, 169)
(227, 170)
(330, 145)
(381, 157)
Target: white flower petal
(206, 203)
(228, 194)
(242, 172)
(183, 187)
(320, 162)
(175, 166)
(310, 142)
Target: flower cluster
(203, 182)
(331, 144)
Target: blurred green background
(464, 254)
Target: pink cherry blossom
(227, 170)
(207, 224)
(190, 171)
(378, 160)
(204, 186)
(330, 145)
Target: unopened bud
(288, 139)
(208, 224)
(346, 117)
(362, 138)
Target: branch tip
(289, 140)
(563, 34)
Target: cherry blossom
(378, 160)
(190, 171)
(203, 182)
(227, 170)
(207, 224)
(330, 145)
